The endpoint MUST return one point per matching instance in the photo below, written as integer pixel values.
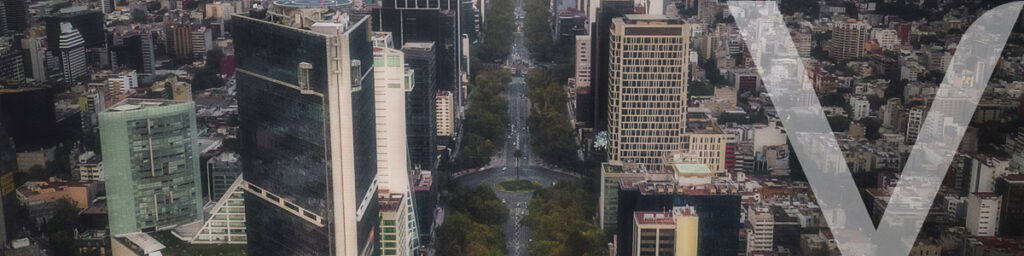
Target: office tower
(179, 41)
(983, 214)
(803, 41)
(107, 6)
(647, 88)
(151, 164)
(72, 53)
(393, 81)
(672, 233)
(445, 107)
(437, 21)
(201, 41)
(29, 116)
(8, 166)
(848, 39)
(716, 202)
(306, 110)
(89, 24)
(34, 58)
(134, 50)
(221, 171)
(11, 64)
(16, 12)
(421, 57)
(569, 23)
(600, 42)
(1011, 189)
(3, 19)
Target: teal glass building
(151, 163)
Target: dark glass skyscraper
(420, 118)
(306, 107)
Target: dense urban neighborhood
(510, 127)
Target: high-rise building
(89, 24)
(8, 167)
(717, 205)
(420, 116)
(647, 88)
(3, 19)
(201, 41)
(760, 230)
(983, 214)
(583, 61)
(892, 110)
(672, 233)
(445, 110)
(107, 6)
(179, 41)
(306, 110)
(29, 117)
(11, 64)
(151, 164)
(72, 53)
(1011, 189)
(861, 107)
(34, 58)
(397, 225)
(915, 120)
(848, 39)
(437, 21)
(600, 27)
(134, 50)
(393, 79)
(16, 12)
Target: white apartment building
(983, 214)
(647, 88)
(124, 82)
(760, 228)
(886, 38)
(915, 119)
(444, 109)
(392, 81)
(861, 107)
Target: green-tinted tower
(151, 162)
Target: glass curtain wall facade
(151, 163)
(308, 154)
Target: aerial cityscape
(511, 127)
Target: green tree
(560, 230)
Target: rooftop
(130, 104)
(653, 218)
(144, 242)
(312, 3)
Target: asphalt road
(508, 166)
